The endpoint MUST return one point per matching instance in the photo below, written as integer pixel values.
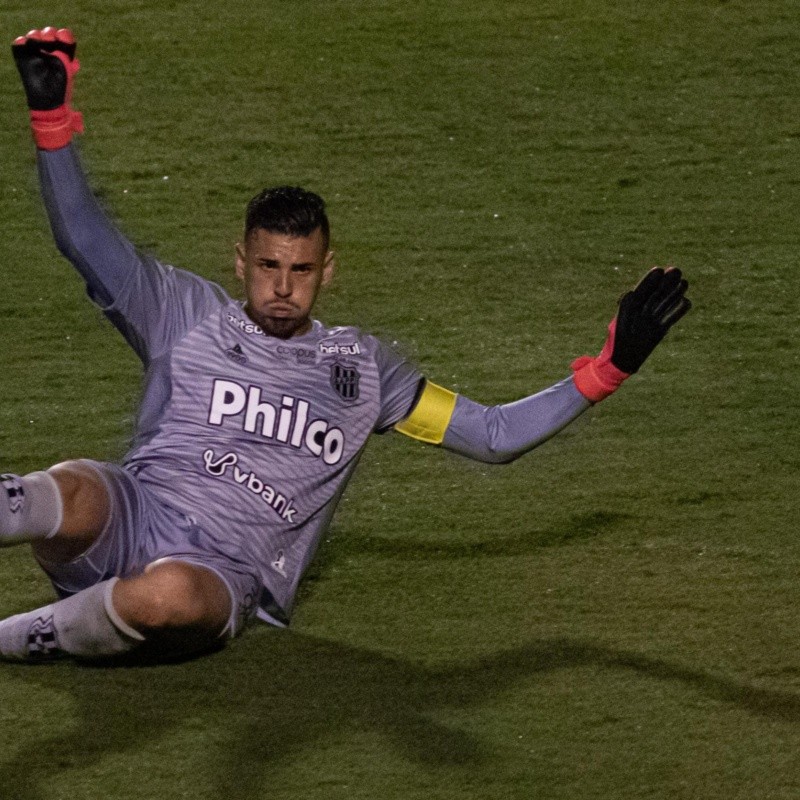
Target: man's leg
(61, 512)
(173, 609)
(179, 607)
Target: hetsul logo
(340, 348)
(245, 326)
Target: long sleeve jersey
(252, 437)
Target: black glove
(644, 317)
(646, 314)
(46, 63)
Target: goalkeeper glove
(645, 315)
(47, 64)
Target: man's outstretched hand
(47, 64)
(645, 315)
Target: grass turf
(613, 616)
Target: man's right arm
(82, 231)
(47, 65)
(150, 303)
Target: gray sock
(85, 625)
(30, 507)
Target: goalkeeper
(252, 420)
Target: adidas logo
(236, 354)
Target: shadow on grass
(415, 548)
(274, 694)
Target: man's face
(282, 276)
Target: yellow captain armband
(431, 415)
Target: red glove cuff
(53, 129)
(597, 378)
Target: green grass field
(614, 616)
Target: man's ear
(328, 268)
(240, 261)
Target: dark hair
(289, 210)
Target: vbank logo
(218, 467)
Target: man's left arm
(502, 433)
(493, 434)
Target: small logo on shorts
(279, 564)
(247, 607)
(14, 491)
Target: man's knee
(173, 597)
(84, 496)
(85, 507)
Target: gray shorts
(140, 531)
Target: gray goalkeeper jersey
(250, 436)
(253, 437)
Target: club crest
(15, 492)
(42, 639)
(345, 381)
